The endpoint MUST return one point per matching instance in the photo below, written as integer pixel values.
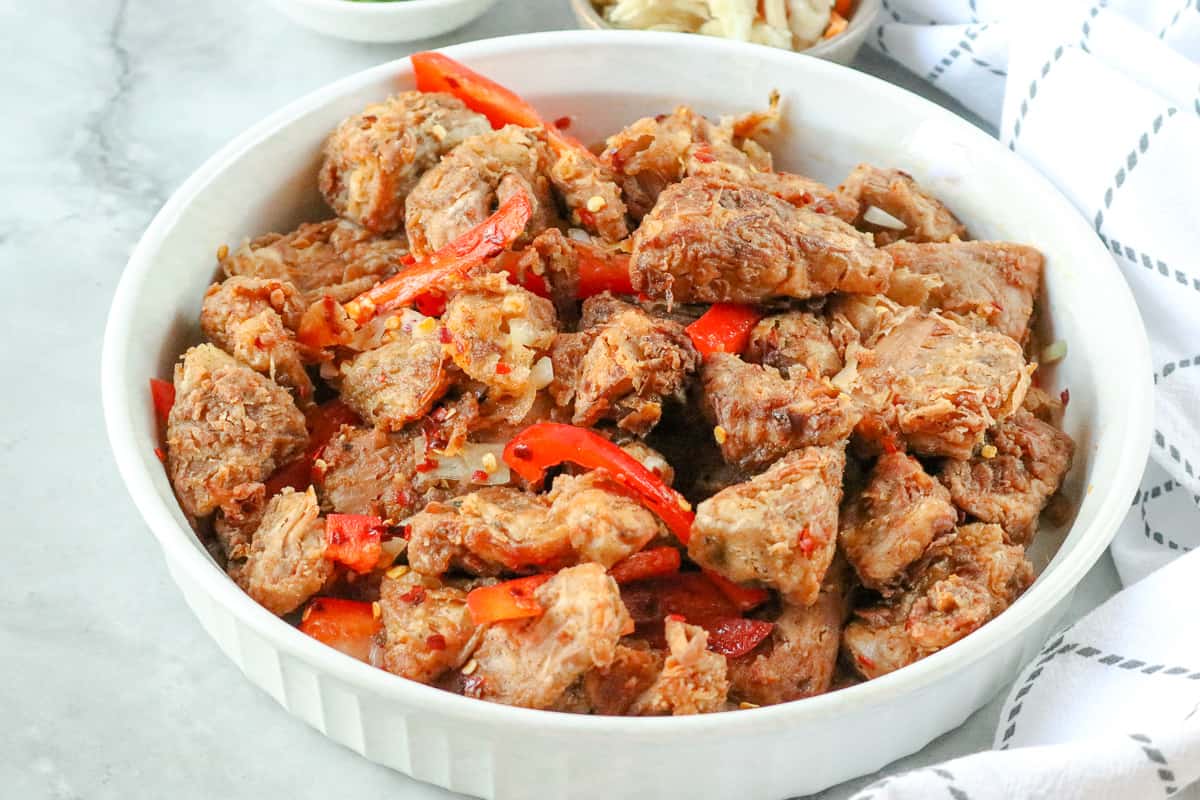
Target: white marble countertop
(108, 686)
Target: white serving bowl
(833, 118)
(396, 21)
(841, 48)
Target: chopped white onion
(1054, 352)
(542, 373)
(877, 216)
(521, 333)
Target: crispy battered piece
(487, 532)
(621, 366)
(800, 657)
(398, 382)
(465, 188)
(374, 159)
(427, 627)
(286, 561)
(229, 429)
(368, 471)
(693, 679)
(891, 190)
(612, 690)
(252, 319)
(794, 340)
(1017, 471)
(497, 332)
(780, 527)
(532, 662)
(930, 384)
(590, 193)
(980, 284)
(759, 415)
(715, 242)
(971, 578)
(655, 152)
(1045, 406)
(334, 257)
(890, 523)
(603, 523)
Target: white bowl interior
(833, 118)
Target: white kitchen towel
(1104, 99)
(1109, 710)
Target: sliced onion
(468, 462)
(877, 216)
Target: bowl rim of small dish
(124, 414)
(864, 13)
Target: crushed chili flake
(562, 123)
(676, 618)
(444, 335)
(428, 465)
(523, 452)
(586, 218)
(1065, 397)
(414, 596)
(479, 476)
(806, 542)
(704, 154)
(435, 641)
(406, 532)
(162, 456)
(502, 368)
(865, 662)
(806, 198)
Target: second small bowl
(841, 48)
(395, 21)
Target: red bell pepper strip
(724, 328)
(646, 564)
(486, 240)
(736, 636)
(327, 322)
(354, 540)
(509, 600)
(744, 597)
(601, 271)
(345, 625)
(163, 395)
(324, 421)
(439, 73)
(546, 444)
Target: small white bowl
(833, 117)
(396, 21)
(840, 49)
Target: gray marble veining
(108, 687)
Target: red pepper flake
(162, 456)
(806, 542)
(502, 368)
(473, 685)
(428, 465)
(586, 218)
(444, 335)
(523, 452)
(406, 532)
(414, 596)
(806, 198)
(1065, 397)
(562, 123)
(704, 154)
(676, 618)
(864, 662)
(479, 476)
(435, 641)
